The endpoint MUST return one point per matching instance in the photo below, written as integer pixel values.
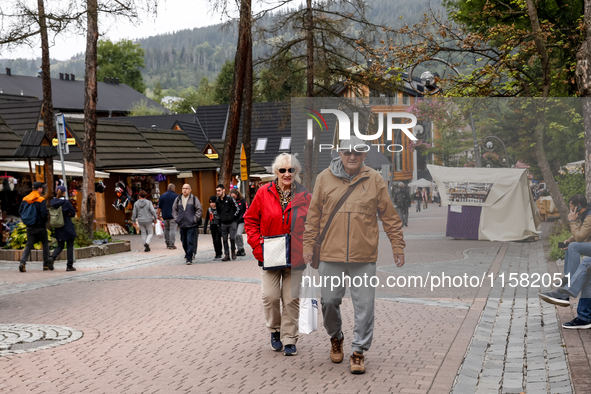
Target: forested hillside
(179, 60)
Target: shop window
(405, 99)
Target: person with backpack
(61, 213)
(228, 210)
(186, 211)
(33, 212)
(213, 219)
(144, 212)
(402, 201)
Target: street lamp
(489, 146)
(428, 80)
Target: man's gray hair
(401, 184)
(171, 186)
(352, 144)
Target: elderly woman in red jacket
(277, 208)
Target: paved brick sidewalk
(156, 325)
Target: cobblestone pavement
(151, 324)
(517, 345)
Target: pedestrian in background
(425, 197)
(213, 218)
(418, 199)
(66, 234)
(228, 211)
(186, 211)
(242, 207)
(33, 213)
(280, 208)
(403, 202)
(165, 211)
(145, 214)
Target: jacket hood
(57, 202)
(141, 203)
(338, 169)
(32, 197)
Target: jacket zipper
(348, 227)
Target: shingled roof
(68, 95)
(10, 141)
(35, 145)
(118, 146)
(178, 149)
(21, 115)
(163, 122)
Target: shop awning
(72, 169)
(146, 171)
(263, 177)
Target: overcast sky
(173, 15)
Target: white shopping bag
(308, 304)
(159, 229)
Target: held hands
(573, 215)
(399, 259)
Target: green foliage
(285, 78)
(203, 96)
(141, 109)
(123, 60)
(102, 234)
(158, 93)
(558, 233)
(82, 239)
(223, 85)
(18, 237)
(571, 184)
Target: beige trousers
(277, 288)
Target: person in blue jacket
(66, 234)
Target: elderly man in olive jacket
(186, 211)
(351, 243)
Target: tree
(583, 72)
(142, 109)
(237, 92)
(283, 79)
(123, 60)
(223, 84)
(158, 92)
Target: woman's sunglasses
(283, 170)
(349, 153)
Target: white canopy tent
(421, 183)
(508, 210)
(72, 168)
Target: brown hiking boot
(233, 255)
(336, 350)
(357, 363)
(226, 258)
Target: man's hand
(573, 215)
(308, 257)
(399, 259)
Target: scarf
(284, 196)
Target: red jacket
(265, 218)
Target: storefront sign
(71, 141)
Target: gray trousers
(403, 213)
(363, 298)
(239, 239)
(229, 229)
(147, 231)
(34, 235)
(169, 231)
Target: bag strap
(336, 209)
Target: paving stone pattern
(23, 338)
(517, 346)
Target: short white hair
(290, 159)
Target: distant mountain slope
(179, 60)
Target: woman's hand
(308, 257)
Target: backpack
(399, 200)
(29, 214)
(56, 217)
